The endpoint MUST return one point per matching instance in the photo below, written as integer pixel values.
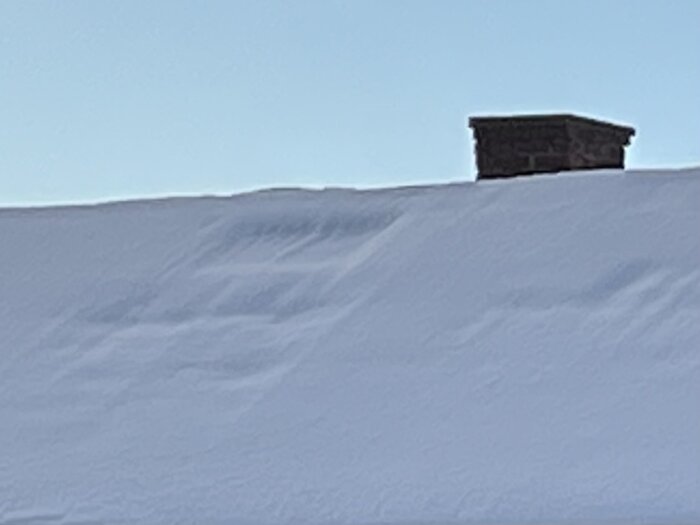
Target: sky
(126, 99)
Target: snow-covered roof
(514, 352)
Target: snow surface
(523, 351)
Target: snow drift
(515, 352)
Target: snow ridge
(513, 351)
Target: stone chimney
(529, 144)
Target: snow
(523, 351)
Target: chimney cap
(543, 118)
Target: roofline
(508, 119)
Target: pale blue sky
(118, 99)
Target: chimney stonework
(529, 144)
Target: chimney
(530, 144)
